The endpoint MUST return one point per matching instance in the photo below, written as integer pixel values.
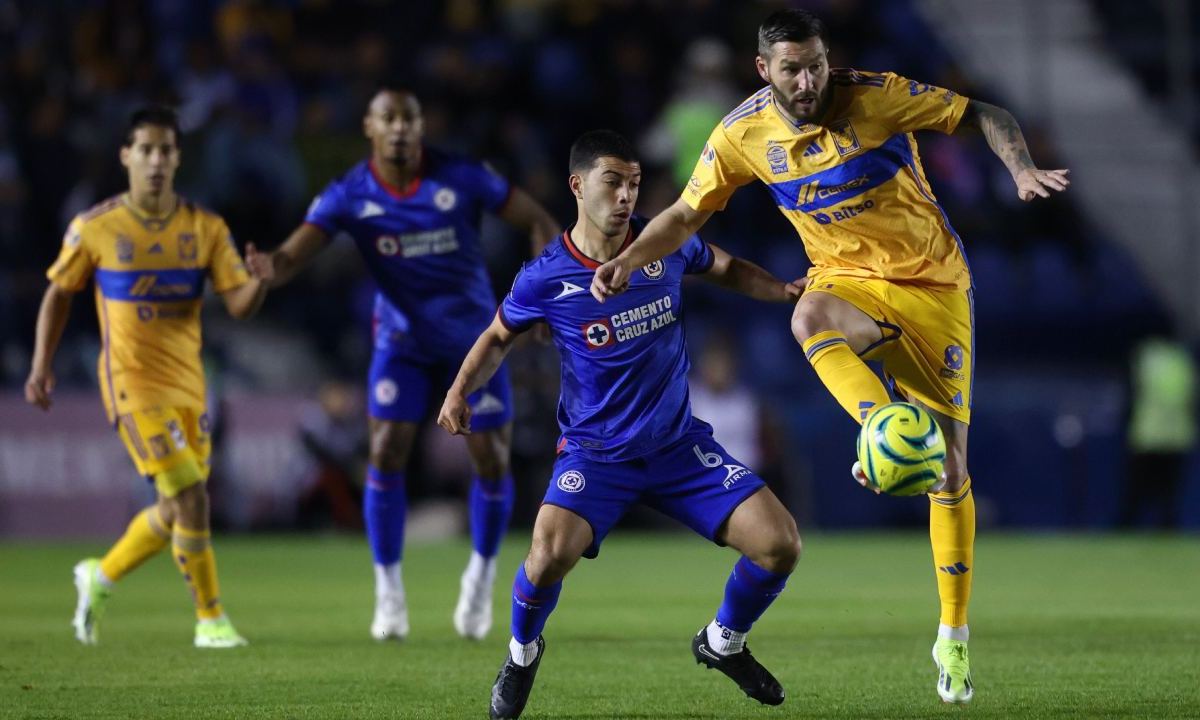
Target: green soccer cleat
(954, 671)
(218, 633)
(89, 607)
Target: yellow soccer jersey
(149, 276)
(853, 186)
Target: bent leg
(559, 539)
(766, 535)
(833, 332)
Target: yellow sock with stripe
(145, 537)
(952, 534)
(194, 557)
(853, 384)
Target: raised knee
(808, 320)
(955, 477)
(493, 467)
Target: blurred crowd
(271, 96)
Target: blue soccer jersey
(421, 243)
(624, 362)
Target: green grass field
(1063, 627)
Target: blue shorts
(692, 480)
(401, 389)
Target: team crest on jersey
(598, 334)
(777, 157)
(387, 245)
(445, 199)
(571, 481)
(708, 154)
(844, 137)
(654, 270)
(385, 391)
(124, 249)
(187, 246)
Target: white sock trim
(388, 580)
(725, 641)
(522, 654)
(959, 634)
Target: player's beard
(783, 102)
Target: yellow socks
(952, 534)
(145, 536)
(194, 557)
(853, 384)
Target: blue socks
(385, 505)
(531, 607)
(749, 591)
(491, 504)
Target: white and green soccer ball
(901, 450)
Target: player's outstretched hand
(259, 265)
(611, 278)
(1033, 183)
(39, 387)
(455, 415)
(795, 289)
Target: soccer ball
(901, 450)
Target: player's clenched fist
(38, 388)
(611, 278)
(455, 416)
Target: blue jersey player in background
(414, 212)
(628, 434)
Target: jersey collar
(584, 260)
(152, 223)
(399, 193)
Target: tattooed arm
(1005, 139)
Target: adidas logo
(955, 569)
(155, 249)
(813, 149)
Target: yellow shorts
(171, 445)
(928, 344)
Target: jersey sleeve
(908, 105)
(325, 211)
(76, 263)
(520, 308)
(490, 187)
(225, 265)
(720, 170)
(697, 256)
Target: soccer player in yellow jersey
(149, 252)
(889, 280)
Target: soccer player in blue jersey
(414, 212)
(628, 434)
(889, 281)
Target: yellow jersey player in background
(889, 280)
(149, 252)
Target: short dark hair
(790, 25)
(156, 115)
(595, 144)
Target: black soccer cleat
(742, 668)
(513, 684)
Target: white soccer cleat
(218, 634)
(473, 614)
(860, 477)
(89, 605)
(391, 617)
(954, 683)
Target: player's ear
(761, 64)
(124, 155)
(575, 182)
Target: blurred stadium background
(1072, 292)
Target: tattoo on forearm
(1004, 137)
